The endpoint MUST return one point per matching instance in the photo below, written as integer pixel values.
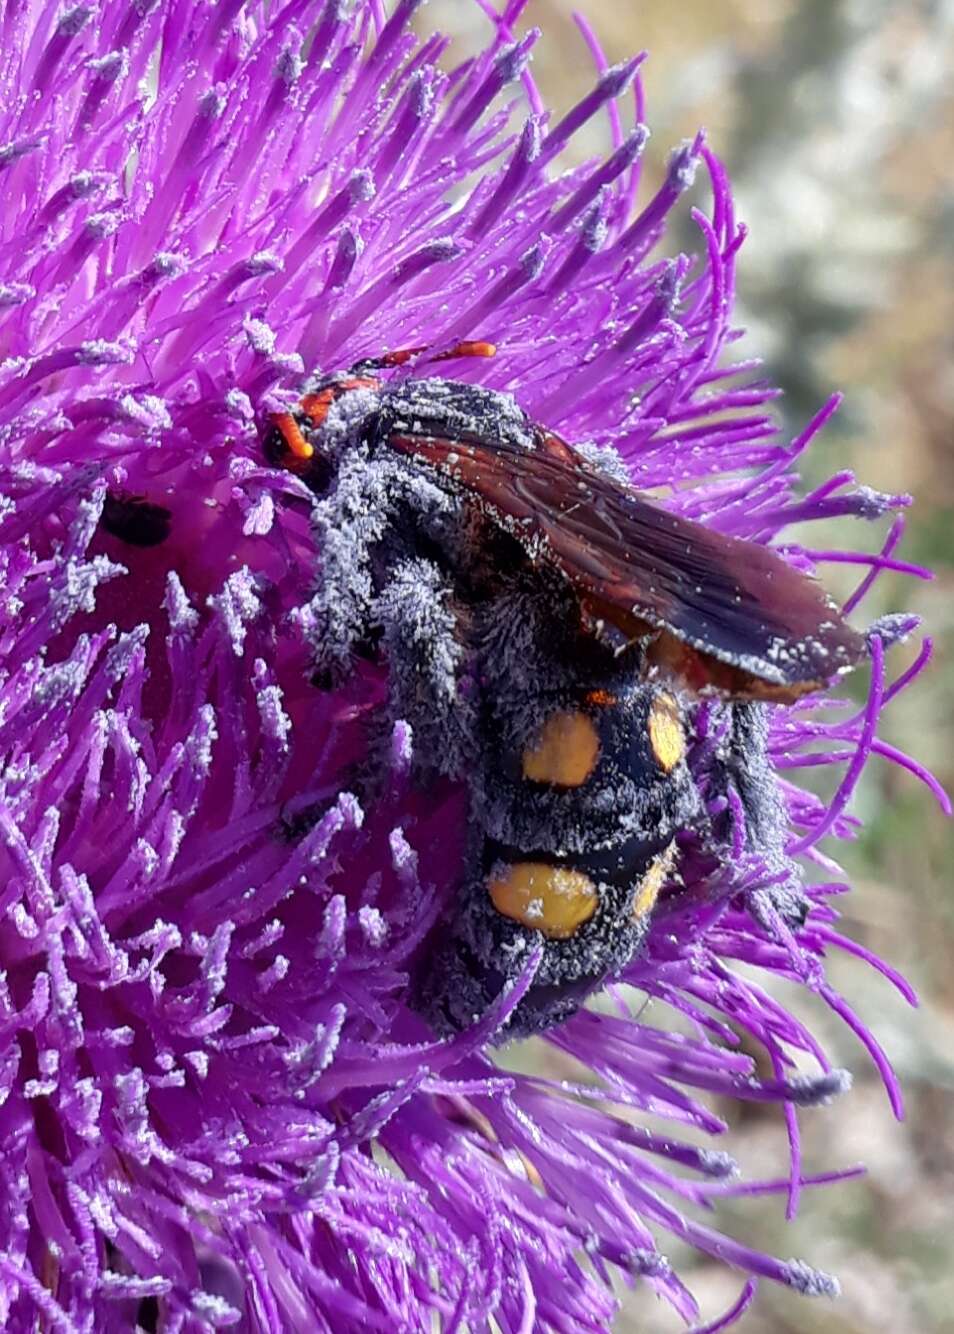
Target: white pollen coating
(261, 338)
(374, 925)
(239, 604)
(183, 618)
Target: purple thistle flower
(218, 1108)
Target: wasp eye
(565, 753)
(666, 736)
(551, 899)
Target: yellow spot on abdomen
(551, 899)
(666, 737)
(565, 753)
(647, 891)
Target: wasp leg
(348, 522)
(380, 510)
(748, 771)
(420, 635)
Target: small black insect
(135, 520)
(548, 633)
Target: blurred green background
(836, 120)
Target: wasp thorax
(565, 752)
(551, 899)
(666, 735)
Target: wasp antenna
(401, 355)
(298, 448)
(468, 348)
(398, 357)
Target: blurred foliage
(836, 120)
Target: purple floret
(216, 1107)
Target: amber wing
(737, 601)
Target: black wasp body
(548, 634)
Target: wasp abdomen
(559, 896)
(578, 846)
(616, 755)
(602, 769)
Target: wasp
(549, 634)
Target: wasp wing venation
(737, 601)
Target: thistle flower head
(218, 1107)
